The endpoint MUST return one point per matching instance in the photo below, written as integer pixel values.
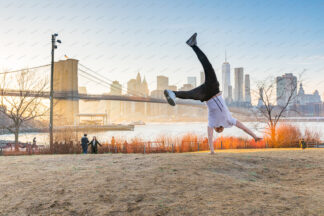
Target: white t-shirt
(218, 113)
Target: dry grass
(287, 136)
(231, 182)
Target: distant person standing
(94, 145)
(84, 144)
(302, 143)
(34, 146)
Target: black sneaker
(192, 41)
(170, 96)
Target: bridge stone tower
(66, 110)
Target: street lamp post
(54, 46)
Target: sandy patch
(239, 182)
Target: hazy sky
(120, 38)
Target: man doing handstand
(219, 117)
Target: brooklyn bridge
(66, 90)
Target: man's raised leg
(210, 75)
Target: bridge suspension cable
(99, 76)
(104, 83)
(109, 81)
(88, 76)
(31, 68)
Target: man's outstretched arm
(210, 131)
(247, 130)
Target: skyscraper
(226, 77)
(202, 77)
(145, 89)
(115, 88)
(136, 87)
(162, 82)
(192, 81)
(238, 91)
(131, 87)
(173, 87)
(186, 87)
(286, 87)
(229, 98)
(247, 91)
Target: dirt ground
(237, 182)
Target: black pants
(94, 149)
(209, 88)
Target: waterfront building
(286, 86)
(247, 90)
(192, 81)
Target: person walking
(219, 116)
(94, 145)
(84, 144)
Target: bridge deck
(93, 97)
